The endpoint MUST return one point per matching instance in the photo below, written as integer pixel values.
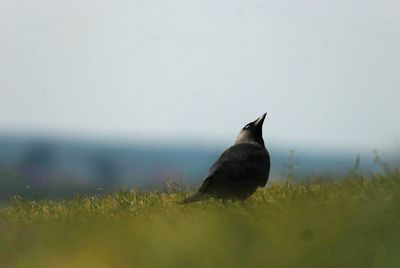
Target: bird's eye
(247, 126)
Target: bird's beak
(259, 122)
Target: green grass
(354, 222)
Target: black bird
(240, 170)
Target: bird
(240, 169)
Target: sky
(327, 72)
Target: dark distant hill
(61, 166)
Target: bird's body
(240, 169)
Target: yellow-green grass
(353, 222)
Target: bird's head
(252, 132)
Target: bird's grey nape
(252, 132)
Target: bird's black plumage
(240, 169)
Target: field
(351, 222)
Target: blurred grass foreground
(353, 222)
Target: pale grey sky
(327, 72)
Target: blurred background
(99, 95)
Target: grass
(353, 222)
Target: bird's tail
(198, 196)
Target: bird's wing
(240, 165)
